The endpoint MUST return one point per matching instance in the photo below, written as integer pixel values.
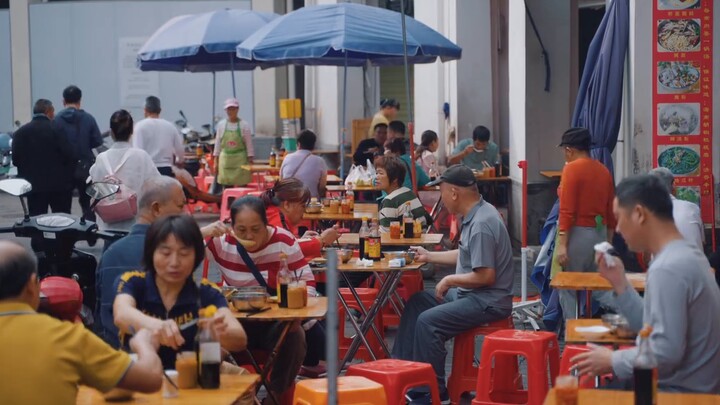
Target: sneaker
(318, 371)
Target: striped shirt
(393, 207)
(235, 272)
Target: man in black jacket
(84, 135)
(45, 158)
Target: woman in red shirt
(285, 203)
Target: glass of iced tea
(296, 295)
(186, 366)
(395, 230)
(566, 390)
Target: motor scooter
(55, 236)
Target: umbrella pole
(212, 115)
(342, 124)
(413, 171)
(232, 73)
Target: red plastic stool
(398, 376)
(367, 296)
(411, 282)
(539, 348)
(464, 373)
(228, 196)
(208, 182)
(568, 353)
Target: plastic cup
(186, 366)
(170, 391)
(395, 232)
(566, 390)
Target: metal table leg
(271, 361)
(383, 295)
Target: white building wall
(77, 43)
(6, 101)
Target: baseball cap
(231, 102)
(576, 137)
(457, 175)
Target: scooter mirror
(16, 187)
(101, 190)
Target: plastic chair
(353, 390)
(398, 376)
(463, 376)
(541, 351)
(228, 196)
(367, 296)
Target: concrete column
(517, 101)
(269, 85)
(20, 60)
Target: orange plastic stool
(398, 376)
(367, 297)
(463, 376)
(228, 196)
(411, 282)
(539, 348)
(351, 391)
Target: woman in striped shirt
(249, 222)
(390, 176)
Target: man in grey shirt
(480, 291)
(682, 301)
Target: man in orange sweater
(586, 218)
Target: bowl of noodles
(678, 35)
(681, 160)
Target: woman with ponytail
(285, 203)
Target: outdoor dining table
(602, 396)
(232, 388)
(361, 210)
(573, 336)
(335, 188)
(316, 309)
(386, 240)
(258, 171)
(571, 280)
(331, 178)
(388, 284)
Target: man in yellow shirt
(389, 108)
(45, 359)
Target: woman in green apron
(233, 148)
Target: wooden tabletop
(590, 396)
(316, 309)
(499, 179)
(361, 210)
(568, 280)
(232, 387)
(341, 187)
(260, 168)
(385, 239)
(551, 174)
(379, 266)
(331, 178)
(573, 336)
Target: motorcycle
(190, 135)
(6, 167)
(55, 235)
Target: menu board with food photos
(682, 98)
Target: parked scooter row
(54, 237)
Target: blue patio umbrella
(202, 43)
(598, 105)
(346, 34)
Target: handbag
(122, 205)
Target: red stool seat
(539, 348)
(463, 376)
(398, 376)
(367, 297)
(229, 195)
(568, 353)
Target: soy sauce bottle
(645, 372)
(363, 235)
(207, 350)
(284, 278)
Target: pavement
(11, 210)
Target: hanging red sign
(682, 97)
